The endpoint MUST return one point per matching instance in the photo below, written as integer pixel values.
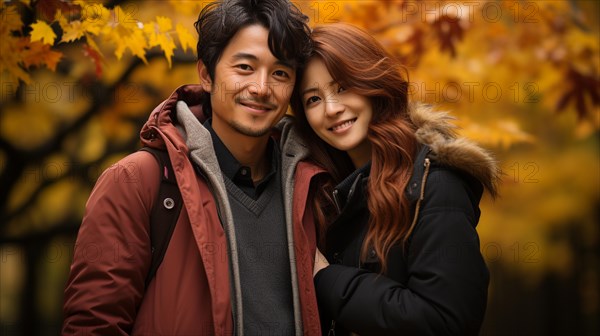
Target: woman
(400, 229)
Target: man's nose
(260, 86)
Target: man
(241, 256)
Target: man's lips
(342, 125)
(257, 106)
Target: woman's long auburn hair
(360, 64)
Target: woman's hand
(320, 262)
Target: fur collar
(435, 130)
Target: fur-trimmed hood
(435, 130)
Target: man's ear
(205, 80)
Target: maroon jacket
(191, 293)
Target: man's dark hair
(289, 34)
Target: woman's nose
(333, 106)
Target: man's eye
(281, 73)
(245, 67)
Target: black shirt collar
(240, 175)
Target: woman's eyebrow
(316, 87)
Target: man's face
(251, 88)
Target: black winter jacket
(437, 285)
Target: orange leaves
(38, 54)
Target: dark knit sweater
(263, 259)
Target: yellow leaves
(135, 42)
(125, 33)
(158, 35)
(186, 39)
(41, 31)
(501, 133)
(104, 31)
(73, 31)
(164, 24)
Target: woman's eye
(341, 89)
(312, 99)
(281, 73)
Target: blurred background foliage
(78, 79)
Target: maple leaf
(136, 42)
(73, 31)
(164, 24)
(581, 86)
(448, 31)
(159, 35)
(186, 39)
(122, 22)
(41, 31)
(167, 45)
(37, 53)
(11, 58)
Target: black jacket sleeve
(446, 290)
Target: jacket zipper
(332, 329)
(336, 201)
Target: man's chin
(254, 132)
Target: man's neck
(248, 151)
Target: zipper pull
(332, 329)
(336, 201)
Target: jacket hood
(435, 130)
(160, 126)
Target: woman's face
(338, 116)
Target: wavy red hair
(359, 63)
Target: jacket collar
(347, 189)
(444, 148)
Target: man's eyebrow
(243, 55)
